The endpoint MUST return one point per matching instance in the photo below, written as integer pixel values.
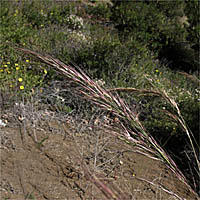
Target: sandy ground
(56, 159)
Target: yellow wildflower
(16, 64)
(8, 63)
(45, 71)
(157, 70)
(5, 65)
(17, 68)
(20, 79)
(1, 70)
(21, 87)
(27, 61)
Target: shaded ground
(43, 159)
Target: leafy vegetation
(147, 45)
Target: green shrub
(163, 27)
(59, 14)
(20, 75)
(193, 15)
(100, 11)
(145, 22)
(13, 27)
(94, 57)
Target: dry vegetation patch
(52, 161)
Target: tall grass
(109, 100)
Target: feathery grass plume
(150, 92)
(183, 124)
(92, 91)
(178, 118)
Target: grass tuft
(109, 100)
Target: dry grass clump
(133, 129)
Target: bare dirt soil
(56, 159)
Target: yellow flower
(21, 87)
(16, 64)
(27, 61)
(10, 85)
(5, 65)
(157, 70)
(20, 79)
(1, 70)
(17, 68)
(158, 80)
(45, 71)
(8, 72)
(8, 63)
